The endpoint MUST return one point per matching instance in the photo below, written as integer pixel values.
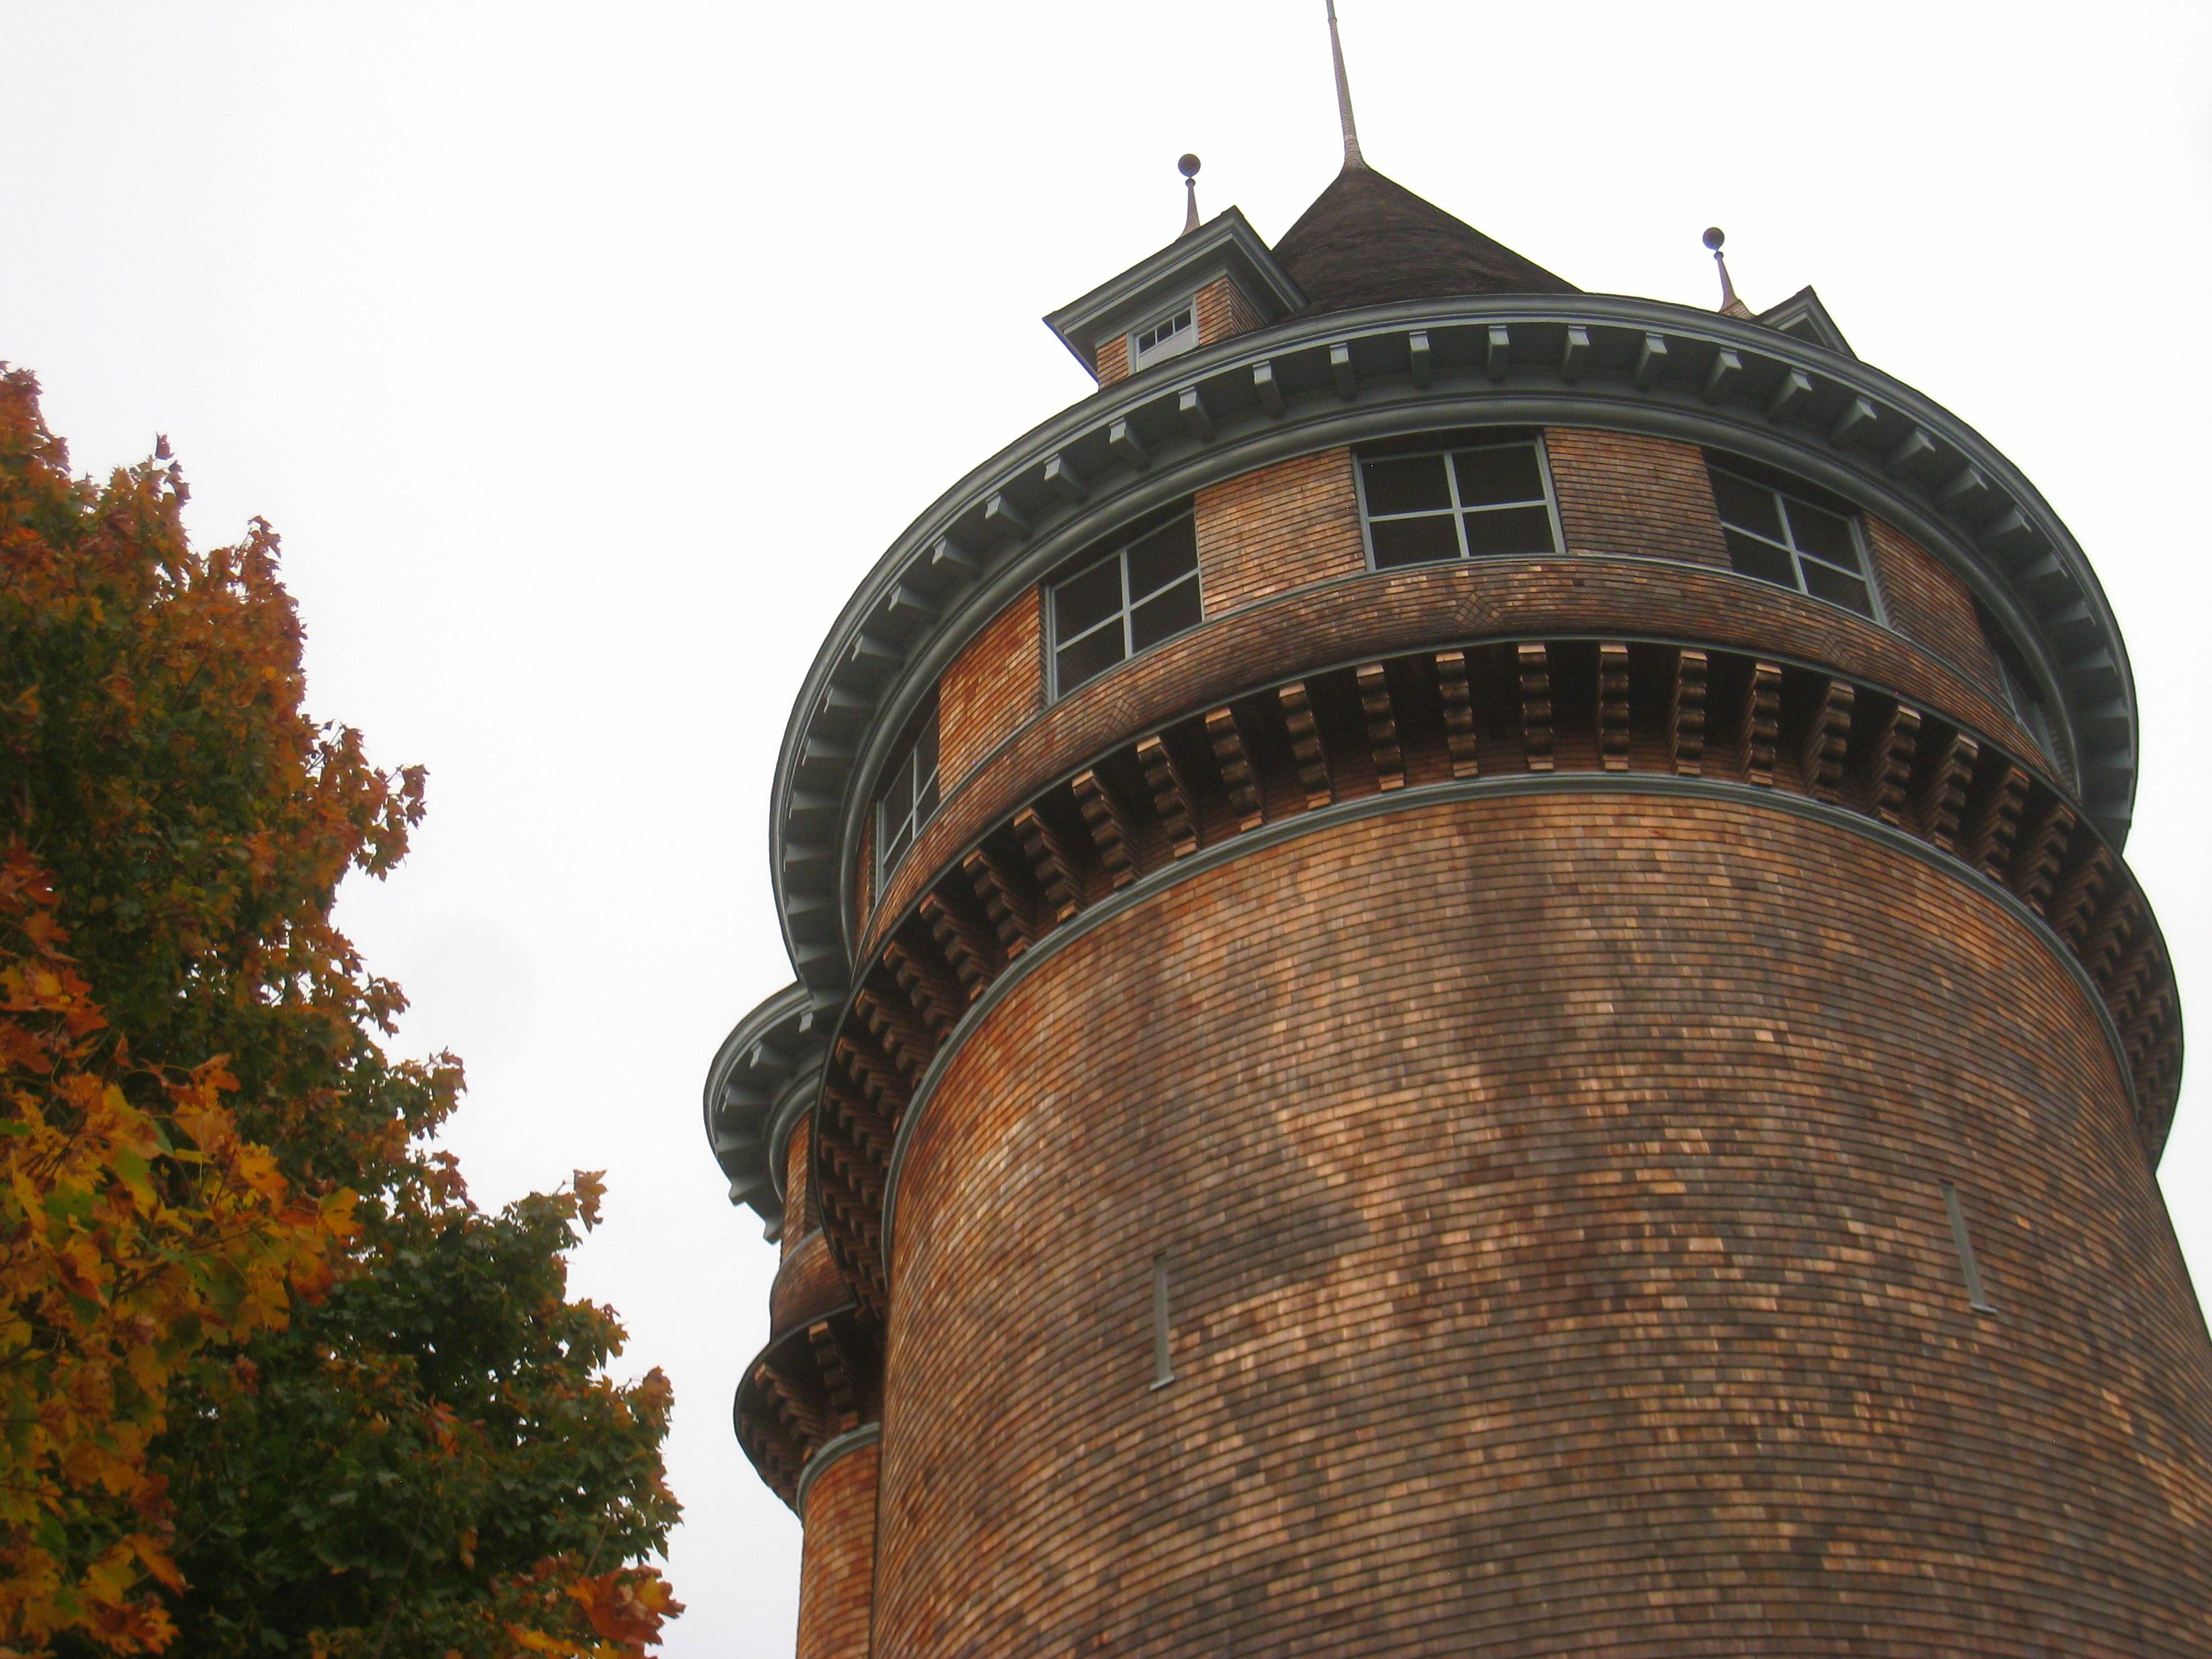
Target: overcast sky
(586, 356)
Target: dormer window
(1779, 536)
(909, 794)
(1164, 337)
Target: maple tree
(271, 1381)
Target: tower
(1466, 983)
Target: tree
(399, 1438)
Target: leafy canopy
(272, 1382)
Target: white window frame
(1458, 513)
(1183, 339)
(1853, 518)
(1121, 616)
(913, 819)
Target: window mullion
(1458, 510)
(1129, 625)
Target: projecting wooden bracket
(1576, 357)
(1943, 797)
(2110, 935)
(1268, 388)
(876, 1080)
(1458, 704)
(832, 1366)
(1889, 766)
(1828, 738)
(1987, 840)
(1534, 664)
(2132, 978)
(1306, 744)
(1382, 717)
(1613, 707)
(936, 1000)
(1002, 901)
(1171, 798)
(973, 959)
(1107, 820)
(1762, 722)
(1685, 714)
(1055, 876)
(2079, 895)
(1236, 774)
(2042, 854)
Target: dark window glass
(1748, 506)
(898, 799)
(1509, 530)
(1754, 558)
(1415, 484)
(1084, 601)
(1824, 535)
(1836, 588)
(1088, 658)
(1779, 538)
(1124, 603)
(1413, 541)
(1166, 555)
(1480, 502)
(1507, 473)
(910, 795)
(1166, 613)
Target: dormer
(1208, 284)
(1802, 317)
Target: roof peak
(1369, 241)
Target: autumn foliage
(271, 1383)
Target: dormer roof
(1802, 317)
(1224, 245)
(1369, 241)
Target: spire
(1189, 168)
(1352, 159)
(1730, 305)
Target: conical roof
(1369, 241)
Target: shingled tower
(1465, 985)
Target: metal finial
(1352, 156)
(1730, 305)
(1189, 168)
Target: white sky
(586, 358)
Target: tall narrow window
(910, 795)
(1482, 502)
(1780, 537)
(2020, 685)
(1126, 602)
(1969, 1269)
(1162, 1371)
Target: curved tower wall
(1638, 1089)
(1550, 1189)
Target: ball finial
(1714, 237)
(1189, 167)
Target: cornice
(1747, 795)
(1596, 359)
(762, 1081)
(852, 1440)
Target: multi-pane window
(1481, 501)
(1164, 337)
(910, 795)
(1780, 537)
(2020, 685)
(1126, 602)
